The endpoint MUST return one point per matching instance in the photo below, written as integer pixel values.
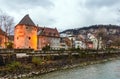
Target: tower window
(26, 27)
(29, 38)
(17, 38)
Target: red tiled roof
(48, 31)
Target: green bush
(46, 48)
(37, 61)
(14, 65)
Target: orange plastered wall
(3, 39)
(25, 37)
(33, 40)
(19, 36)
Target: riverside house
(48, 37)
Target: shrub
(46, 48)
(14, 65)
(37, 61)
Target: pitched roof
(27, 21)
(53, 32)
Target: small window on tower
(26, 27)
(29, 38)
(29, 47)
(17, 38)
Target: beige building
(48, 37)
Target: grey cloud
(22, 4)
(47, 21)
(101, 3)
(61, 13)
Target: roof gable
(48, 32)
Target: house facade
(96, 43)
(65, 43)
(48, 37)
(79, 44)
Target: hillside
(109, 29)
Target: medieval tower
(25, 34)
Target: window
(49, 34)
(29, 38)
(17, 38)
(54, 34)
(26, 27)
(44, 33)
(29, 47)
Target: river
(107, 70)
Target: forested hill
(109, 29)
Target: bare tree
(6, 23)
(116, 42)
(101, 36)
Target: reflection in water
(108, 70)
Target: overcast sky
(64, 14)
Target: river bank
(32, 74)
(105, 70)
(29, 70)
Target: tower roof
(27, 21)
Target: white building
(79, 44)
(95, 41)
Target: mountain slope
(109, 29)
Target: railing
(5, 51)
(58, 52)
